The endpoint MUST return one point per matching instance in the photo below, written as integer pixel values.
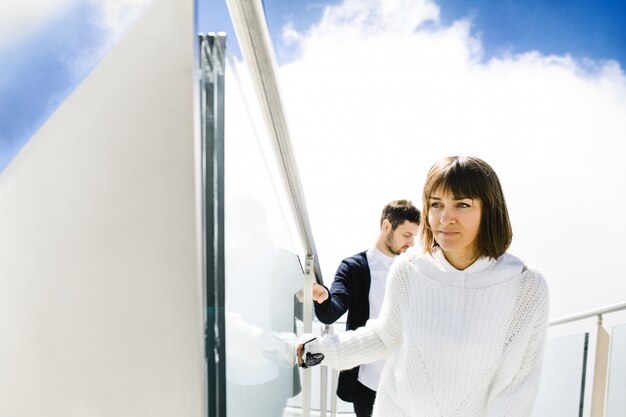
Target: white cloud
(29, 19)
(371, 16)
(21, 17)
(376, 97)
(113, 17)
(116, 15)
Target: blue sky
(581, 28)
(377, 90)
(49, 53)
(39, 70)
(37, 76)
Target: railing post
(324, 380)
(334, 375)
(598, 394)
(309, 278)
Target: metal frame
(307, 322)
(212, 51)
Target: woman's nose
(446, 217)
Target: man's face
(402, 238)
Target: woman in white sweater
(463, 324)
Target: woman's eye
(463, 205)
(435, 205)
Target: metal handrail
(589, 313)
(250, 26)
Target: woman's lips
(447, 233)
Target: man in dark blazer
(358, 288)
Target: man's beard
(389, 244)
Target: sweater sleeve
(338, 300)
(376, 340)
(517, 397)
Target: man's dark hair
(399, 211)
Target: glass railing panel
(262, 270)
(616, 392)
(561, 390)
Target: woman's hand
(310, 359)
(299, 350)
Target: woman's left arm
(517, 397)
(377, 339)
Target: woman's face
(455, 224)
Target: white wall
(100, 285)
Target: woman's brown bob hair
(470, 177)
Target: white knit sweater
(462, 343)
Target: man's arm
(338, 300)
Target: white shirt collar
(381, 257)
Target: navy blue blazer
(349, 292)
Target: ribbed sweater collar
(480, 265)
(483, 273)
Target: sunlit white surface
(100, 267)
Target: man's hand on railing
(320, 294)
